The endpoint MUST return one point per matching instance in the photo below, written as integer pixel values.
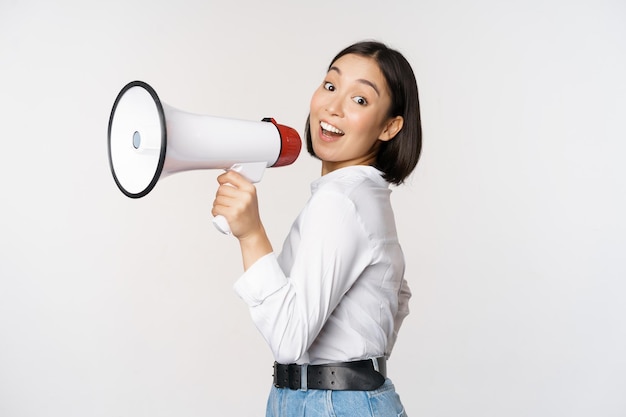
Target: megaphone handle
(253, 171)
(221, 224)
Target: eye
(360, 100)
(329, 86)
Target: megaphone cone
(149, 140)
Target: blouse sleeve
(290, 307)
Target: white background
(513, 224)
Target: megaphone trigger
(253, 171)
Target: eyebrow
(360, 80)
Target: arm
(290, 307)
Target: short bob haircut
(398, 157)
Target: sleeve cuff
(261, 280)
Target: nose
(334, 105)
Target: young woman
(331, 303)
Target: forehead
(354, 67)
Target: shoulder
(354, 183)
(357, 197)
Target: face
(349, 115)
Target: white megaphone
(149, 140)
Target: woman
(331, 303)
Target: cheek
(366, 127)
(362, 122)
(316, 101)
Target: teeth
(331, 128)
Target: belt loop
(304, 377)
(375, 362)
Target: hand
(236, 200)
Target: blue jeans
(383, 402)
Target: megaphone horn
(149, 140)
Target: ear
(391, 128)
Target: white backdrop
(513, 224)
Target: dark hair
(398, 157)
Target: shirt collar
(367, 171)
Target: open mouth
(330, 130)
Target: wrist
(254, 245)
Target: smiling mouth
(330, 130)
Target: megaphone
(149, 140)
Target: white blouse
(336, 292)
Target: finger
(234, 178)
(227, 190)
(224, 205)
(232, 199)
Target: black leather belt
(364, 375)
